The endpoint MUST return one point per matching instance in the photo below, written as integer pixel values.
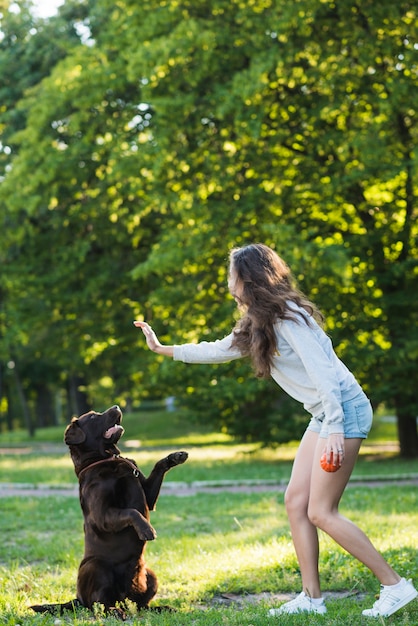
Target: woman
(280, 331)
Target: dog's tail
(56, 609)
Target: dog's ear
(74, 434)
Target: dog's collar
(115, 457)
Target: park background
(140, 142)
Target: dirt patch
(271, 598)
(240, 601)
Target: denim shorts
(358, 418)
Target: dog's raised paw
(147, 534)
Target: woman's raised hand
(152, 339)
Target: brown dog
(116, 499)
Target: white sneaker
(392, 598)
(301, 604)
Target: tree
(29, 49)
(313, 126)
(175, 132)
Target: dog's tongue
(111, 431)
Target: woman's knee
(295, 502)
(315, 516)
(319, 516)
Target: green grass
(207, 544)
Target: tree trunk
(77, 398)
(408, 435)
(45, 408)
(23, 403)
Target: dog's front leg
(115, 520)
(152, 484)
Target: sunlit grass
(207, 545)
(214, 464)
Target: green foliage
(137, 156)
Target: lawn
(221, 558)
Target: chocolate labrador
(116, 499)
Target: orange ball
(328, 467)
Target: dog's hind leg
(143, 598)
(152, 484)
(144, 588)
(97, 584)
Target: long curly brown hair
(266, 287)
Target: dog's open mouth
(112, 431)
(116, 431)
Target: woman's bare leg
(326, 490)
(312, 500)
(304, 532)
